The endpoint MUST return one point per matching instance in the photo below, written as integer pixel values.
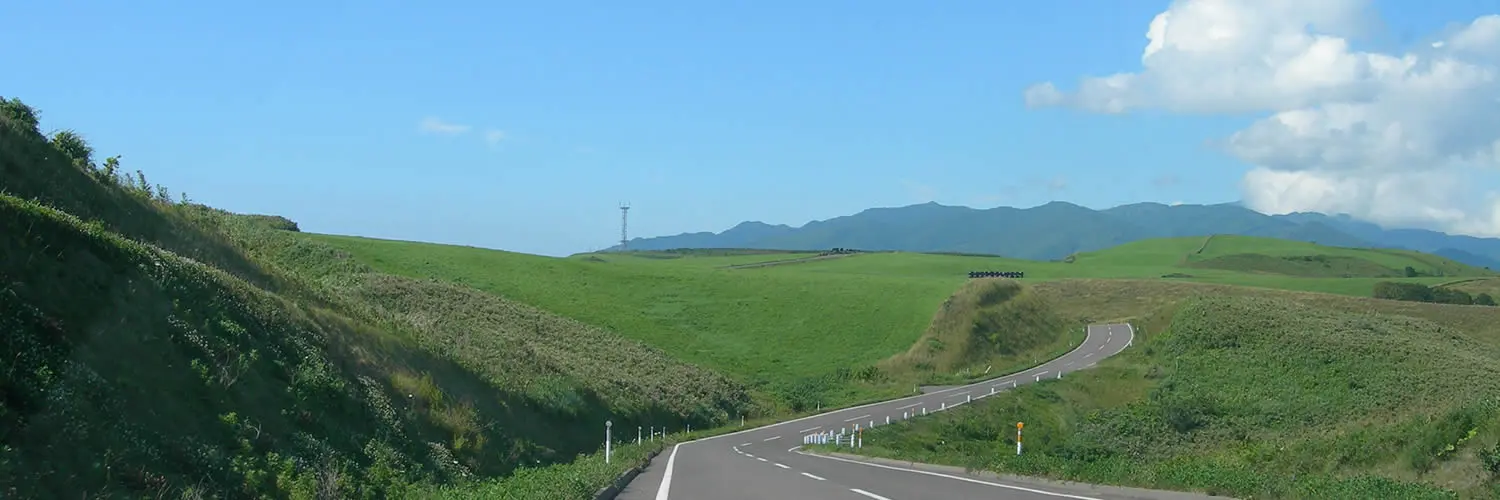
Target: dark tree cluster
(839, 251)
(997, 274)
(1417, 292)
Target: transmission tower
(624, 217)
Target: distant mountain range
(1057, 229)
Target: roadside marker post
(607, 425)
(1059, 374)
(1018, 438)
(887, 420)
(637, 434)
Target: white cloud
(438, 126)
(1392, 138)
(493, 136)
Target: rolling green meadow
(157, 347)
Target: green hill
(164, 349)
(1249, 254)
(1254, 393)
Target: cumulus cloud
(1389, 137)
(437, 126)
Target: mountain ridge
(1057, 229)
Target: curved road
(764, 463)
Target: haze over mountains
(1057, 229)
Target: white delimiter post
(637, 434)
(1018, 438)
(607, 425)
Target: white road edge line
(666, 483)
(868, 494)
(666, 477)
(792, 449)
(976, 481)
(867, 415)
(814, 477)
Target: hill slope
(266, 366)
(1057, 229)
(1250, 393)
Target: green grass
(798, 334)
(808, 332)
(269, 366)
(1248, 392)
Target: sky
(524, 125)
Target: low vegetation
(1417, 292)
(1250, 393)
(990, 326)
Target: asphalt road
(765, 463)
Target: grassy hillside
(1249, 254)
(802, 336)
(269, 366)
(1249, 392)
(989, 326)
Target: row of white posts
(652, 434)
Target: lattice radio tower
(624, 217)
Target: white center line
(1088, 354)
(810, 429)
(1043, 373)
(868, 494)
(857, 418)
(761, 459)
(782, 466)
(772, 438)
(957, 394)
(814, 477)
(749, 455)
(908, 406)
(744, 444)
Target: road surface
(765, 463)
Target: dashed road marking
(868, 494)
(772, 438)
(810, 429)
(909, 406)
(782, 466)
(761, 459)
(814, 477)
(859, 417)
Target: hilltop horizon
(1057, 228)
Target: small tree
(15, 111)
(1484, 299)
(111, 170)
(75, 147)
(1411, 272)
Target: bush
(1484, 299)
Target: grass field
(163, 348)
(1249, 392)
(806, 330)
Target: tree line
(1417, 292)
(997, 274)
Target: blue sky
(700, 114)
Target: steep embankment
(988, 325)
(1251, 392)
(260, 369)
